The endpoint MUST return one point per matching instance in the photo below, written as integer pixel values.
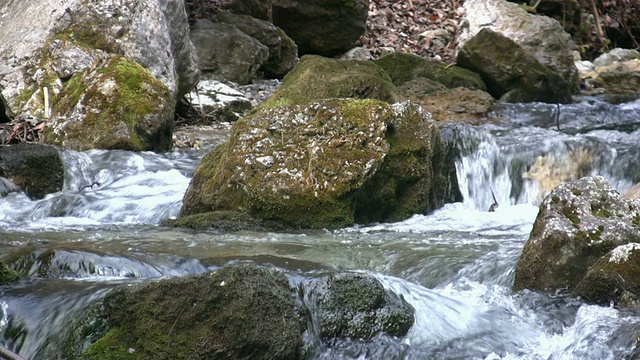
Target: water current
(454, 266)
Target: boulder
(235, 312)
(116, 104)
(227, 54)
(578, 223)
(615, 56)
(614, 278)
(45, 43)
(323, 27)
(219, 101)
(403, 67)
(259, 9)
(283, 52)
(460, 104)
(618, 78)
(357, 306)
(36, 168)
(325, 164)
(511, 74)
(539, 36)
(316, 78)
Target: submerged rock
(357, 306)
(116, 104)
(327, 164)
(615, 278)
(315, 78)
(36, 168)
(578, 223)
(235, 312)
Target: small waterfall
(524, 156)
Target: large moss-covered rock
(324, 27)
(321, 165)
(357, 306)
(37, 169)
(510, 73)
(578, 223)
(459, 105)
(316, 78)
(403, 67)
(615, 278)
(116, 104)
(235, 312)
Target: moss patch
(7, 275)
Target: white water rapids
(454, 266)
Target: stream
(455, 266)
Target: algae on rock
(116, 104)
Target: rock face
(403, 68)
(283, 52)
(510, 73)
(539, 36)
(227, 54)
(358, 307)
(116, 104)
(235, 312)
(615, 278)
(324, 165)
(323, 27)
(578, 223)
(37, 169)
(316, 78)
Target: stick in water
(493, 206)
(9, 355)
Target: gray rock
(259, 9)
(539, 36)
(616, 55)
(37, 169)
(227, 54)
(7, 187)
(45, 42)
(578, 223)
(511, 74)
(220, 102)
(614, 279)
(357, 306)
(323, 27)
(283, 52)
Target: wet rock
(614, 278)
(324, 165)
(283, 52)
(540, 37)
(7, 187)
(578, 223)
(227, 54)
(60, 39)
(460, 105)
(235, 312)
(116, 104)
(7, 275)
(219, 102)
(35, 168)
(316, 78)
(225, 221)
(323, 27)
(357, 306)
(403, 67)
(633, 192)
(511, 74)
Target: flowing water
(454, 266)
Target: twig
(596, 17)
(9, 355)
(558, 116)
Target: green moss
(570, 213)
(575, 191)
(7, 275)
(110, 347)
(226, 221)
(555, 199)
(604, 213)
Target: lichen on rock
(116, 104)
(319, 165)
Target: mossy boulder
(357, 306)
(226, 221)
(512, 74)
(7, 275)
(615, 278)
(36, 168)
(324, 165)
(403, 67)
(235, 312)
(460, 105)
(316, 78)
(116, 104)
(578, 223)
